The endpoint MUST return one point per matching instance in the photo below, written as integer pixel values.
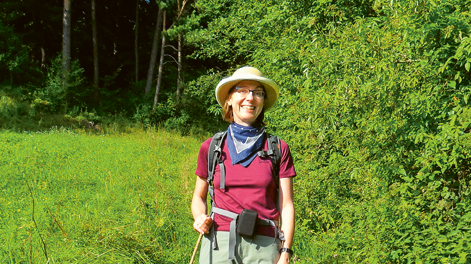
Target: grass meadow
(72, 197)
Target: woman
(248, 184)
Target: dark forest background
(115, 62)
(374, 101)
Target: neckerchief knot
(243, 143)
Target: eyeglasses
(244, 91)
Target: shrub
(374, 105)
(57, 97)
(12, 111)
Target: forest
(374, 101)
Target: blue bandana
(243, 143)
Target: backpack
(215, 158)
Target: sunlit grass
(68, 197)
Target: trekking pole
(196, 248)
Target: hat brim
(225, 85)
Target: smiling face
(246, 108)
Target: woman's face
(246, 107)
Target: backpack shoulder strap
(214, 154)
(274, 152)
(274, 148)
(214, 158)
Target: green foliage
(374, 104)
(12, 108)
(196, 112)
(56, 97)
(13, 56)
(200, 104)
(114, 198)
(8, 109)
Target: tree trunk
(179, 89)
(43, 51)
(179, 54)
(161, 65)
(66, 43)
(39, 28)
(96, 76)
(155, 47)
(43, 58)
(136, 43)
(181, 8)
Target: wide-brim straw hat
(244, 74)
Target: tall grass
(70, 197)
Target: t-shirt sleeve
(202, 166)
(286, 163)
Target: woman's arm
(198, 207)
(287, 215)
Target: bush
(55, 96)
(12, 111)
(374, 105)
(15, 67)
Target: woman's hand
(202, 224)
(284, 258)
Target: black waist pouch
(246, 222)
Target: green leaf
(442, 239)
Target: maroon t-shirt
(246, 188)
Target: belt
(232, 229)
